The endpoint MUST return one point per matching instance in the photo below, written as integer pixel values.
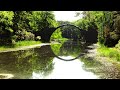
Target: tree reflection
(68, 48)
(23, 63)
(39, 60)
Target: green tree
(6, 31)
(105, 22)
(21, 25)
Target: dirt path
(107, 69)
(92, 50)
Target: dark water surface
(56, 61)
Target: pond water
(56, 61)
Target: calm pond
(56, 61)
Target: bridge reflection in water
(48, 61)
(64, 66)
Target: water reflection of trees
(68, 48)
(39, 60)
(23, 63)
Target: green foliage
(118, 45)
(48, 19)
(114, 36)
(82, 23)
(25, 25)
(56, 35)
(21, 25)
(69, 31)
(18, 44)
(26, 43)
(24, 35)
(116, 20)
(29, 36)
(105, 22)
(63, 22)
(6, 17)
(5, 27)
(109, 52)
(56, 48)
(42, 19)
(38, 38)
(21, 20)
(35, 20)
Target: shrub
(29, 36)
(118, 45)
(38, 38)
(24, 35)
(109, 52)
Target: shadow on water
(43, 62)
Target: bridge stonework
(47, 32)
(89, 36)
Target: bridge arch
(68, 25)
(47, 32)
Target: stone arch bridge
(47, 32)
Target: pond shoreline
(108, 69)
(25, 47)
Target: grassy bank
(20, 44)
(105, 64)
(26, 43)
(60, 40)
(112, 54)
